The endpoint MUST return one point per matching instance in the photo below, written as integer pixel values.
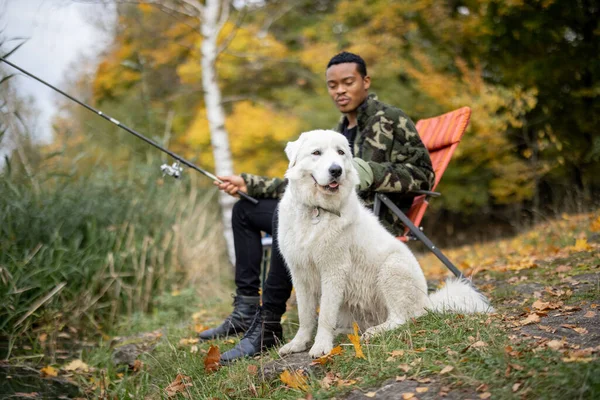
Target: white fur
(349, 266)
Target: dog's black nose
(335, 170)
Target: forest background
(91, 230)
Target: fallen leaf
(252, 369)
(397, 353)
(194, 349)
(595, 225)
(424, 380)
(421, 389)
(590, 314)
(407, 396)
(531, 319)
(446, 369)
(562, 268)
(179, 385)
(355, 340)
(137, 365)
(404, 367)
(371, 394)
(542, 305)
(294, 380)
(328, 380)
(198, 328)
(516, 387)
(401, 378)
(187, 342)
(212, 359)
(49, 371)
(485, 395)
(581, 245)
(479, 344)
(43, 337)
(327, 357)
(556, 344)
(76, 365)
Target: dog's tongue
(333, 185)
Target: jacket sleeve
(263, 187)
(409, 166)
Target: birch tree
(212, 16)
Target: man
(389, 157)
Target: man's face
(346, 86)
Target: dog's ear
(292, 149)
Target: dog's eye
(341, 152)
(316, 153)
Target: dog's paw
(320, 349)
(369, 334)
(295, 346)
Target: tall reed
(88, 249)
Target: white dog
(342, 259)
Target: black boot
(244, 309)
(265, 332)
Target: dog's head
(321, 161)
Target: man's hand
(232, 184)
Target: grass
(86, 251)
(115, 254)
(487, 354)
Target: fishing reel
(172, 170)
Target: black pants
(248, 221)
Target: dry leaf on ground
(294, 380)
(355, 340)
(327, 357)
(371, 394)
(76, 365)
(179, 385)
(211, 361)
(49, 371)
(407, 396)
(531, 319)
(188, 341)
(446, 369)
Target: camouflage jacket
(388, 141)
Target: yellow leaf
(485, 395)
(327, 357)
(198, 328)
(581, 245)
(421, 389)
(76, 365)
(49, 371)
(187, 342)
(371, 394)
(595, 227)
(294, 380)
(407, 396)
(355, 340)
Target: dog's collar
(317, 212)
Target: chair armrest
(426, 192)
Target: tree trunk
(219, 137)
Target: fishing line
(173, 170)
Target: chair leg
(420, 235)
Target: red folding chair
(441, 136)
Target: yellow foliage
(294, 380)
(257, 136)
(355, 340)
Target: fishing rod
(171, 170)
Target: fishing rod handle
(246, 196)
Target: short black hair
(347, 57)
